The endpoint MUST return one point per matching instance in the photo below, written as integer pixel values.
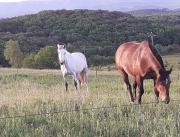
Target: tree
(3, 62)
(29, 61)
(46, 58)
(13, 53)
(96, 32)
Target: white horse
(74, 64)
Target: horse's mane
(157, 55)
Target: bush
(29, 61)
(47, 57)
(98, 60)
(13, 53)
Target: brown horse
(142, 61)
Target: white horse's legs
(65, 81)
(76, 81)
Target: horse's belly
(76, 67)
(135, 70)
(79, 68)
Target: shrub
(47, 57)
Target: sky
(11, 8)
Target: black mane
(157, 55)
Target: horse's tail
(83, 77)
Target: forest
(30, 40)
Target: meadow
(103, 110)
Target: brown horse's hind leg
(126, 80)
(134, 89)
(140, 90)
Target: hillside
(77, 28)
(96, 32)
(152, 12)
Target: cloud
(7, 1)
(17, 1)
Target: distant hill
(97, 32)
(151, 12)
(77, 27)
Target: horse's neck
(68, 57)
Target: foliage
(95, 32)
(3, 62)
(150, 12)
(29, 61)
(46, 58)
(100, 60)
(13, 53)
(170, 49)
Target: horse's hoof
(137, 103)
(131, 102)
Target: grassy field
(26, 92)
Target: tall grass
(26, 92)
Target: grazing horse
(142, 61)
(74, 64)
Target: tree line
(97, 33)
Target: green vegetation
(13, 53)
(95, 32)
(46, 58)
(152, 12)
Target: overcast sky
(10, 8)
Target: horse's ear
(64, 47)
(61, 46)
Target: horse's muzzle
(166, 100)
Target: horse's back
(79, 61)
(125, 52)
(79, 55)
(131, 58)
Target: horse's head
(163, 84)
(61, 53)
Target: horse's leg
(140, 92)
(65, 81)
(124, 76)
(76, 80)
(75, 84)
(134, 89)
(156, 92)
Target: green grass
(26, 92)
